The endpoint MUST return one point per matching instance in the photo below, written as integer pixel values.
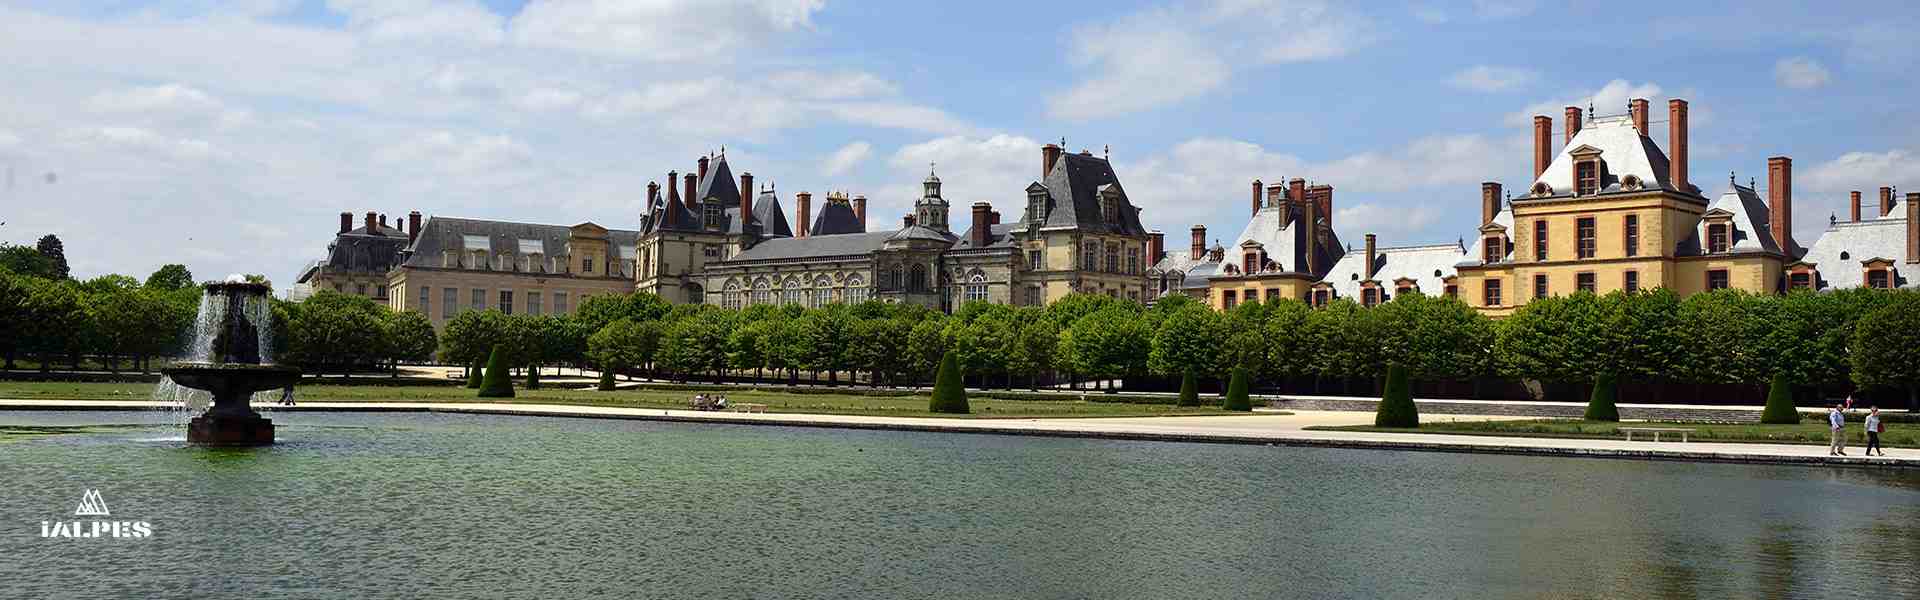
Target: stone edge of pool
(987, 426)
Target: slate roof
(1751, 225)
(1426, 265)
(1624, 149)
(1285, 243)
(836, 217)
(358, 252)
(771, 217)
(438, 234)
(1194, 270)
(813, 246)
(999, 235)
(1073, 190)
(1883, 237)
(719, 184)
(919, 232)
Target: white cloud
(421, 19)
(1800, 73)
(846, 158)
(1488, 78)
(1609, 99)
(659, 30)
(141, 143)
(457, 154)
(993, 169)
(1864, 170)
(1503, 9)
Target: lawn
(1807, 432)
(902, 406)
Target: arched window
(822, 291)
(976, 287)
(790, 292)
(762, 292)
(856, 290)
(896, 279)
(731, 297)
(696, 294)
(917, 280)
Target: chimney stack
(346, 222)
(1913, 228)
(1156, 246)
(1313, 237)
(1638, 107)
(703, 168)
(1542, 144)
(996, 218)
(673, 194)
(746, 200)
(982, 220)
(1853, 206)
(1049, 154)
(1256, 197)
(1489, 201)
(906, 221)
(383, 220)
(371, 221)
(1297, 190)
(860, 211)
(692, 184)
(1372, 259)
(802, 208)
(1323, 194)
(1677, 145)
(1573, 123)
(1886, 201)
(1199, 242)
(1780, 202)
(413, 226)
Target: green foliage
(170, 277)
(27, 262)
(1236, 398)
(1435, 337)
(1886, 347)
(696, 343)
(476, 374)
(1111, 342)
(1188, 341)
(1288, 343)
(606, 380)
(333, 330)
(471, 335)
(410, 336)
(533, 377)
(1189, 390)
(1396, 405)
(1724, 333)
(1780, 409)
(1602, 407)
(496, 383)
(1344, 340)
(949, 389)
(56, 254)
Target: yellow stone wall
(1290, 286)
(1750, 273)
(404, 290)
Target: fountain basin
(231, 421)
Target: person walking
(1838, 423)
(1874, 428)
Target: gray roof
(999, 235)
(813, 246)
(1194, 270)
(361, 252)
(919, 232)
(1477, 252)
(771, 217)
(439, 234)
(1625, 150)
(1426, 265)
(718, 185)
(1073, 188)
(1883, 237)
(836, 217)
(1285, 243)
(1752, 231)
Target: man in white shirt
(1838, 422)
(1873, 431)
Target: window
(917, 279)
(1879, 279)
(897, 278)
(731, 296)
(380, 292)
(1583, 282)
(449, 302)
(1800, 281)
(479, 299)
(360, 289)
(696, 294)
(1490, 292)
(1583, 236)
(559, 303)
(1369, 296)
(1540, 285)
(1717, 237)
(856, 290)
(1228, 298)
(1273, 294)
(1717, 279)
(1587, 175)
(1113, 257)
(533, 303)
(1493, 250)
(790, 292)
(1033, 296)
(426, 299)
(762, 292)
(976, 288)
(1250, 263)
(1540, 240)
(1452, 290)
(506, 301)
(1633, 235)
(1133, 261)
(711, 250)
(1631, 282)
(1089, 255)
(822, 291)
(713, 215)
(1402, 290)
(1320, 297)
(1034, 262)
(586, 264)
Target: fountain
(230, 348)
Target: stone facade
(456, 265)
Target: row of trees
(113, 318)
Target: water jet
(231, 346)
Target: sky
(229, 135)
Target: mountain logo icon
(91, 505)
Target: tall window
(1879, 279)
(856, 290)
(1113, 257)
(586, 264)
(976, 288)
(731, 297)
(1493, 250)
(1587, 175)
(1583, 233)
(449, 302)
(1273, 294)
(790, 292)
(479, 299)
(762, 292)
(1540, 240)
(1369, 296)
(559, 303)
(1228, 298)
(822, 291)
(360, 289)
(426, 298)
(1133, 261)
(1089, 256)
(533, 304)
(1540, 285)
(1034, 262)
(1320, 297)
(1033, 296)
(1490, 292)
(1717, 279)
(713, 215)
(917, 279)
(1583, 282)
(1250, 263)
(506, 301)
(1633, 235)
(1717, 237)
(1452, 290)
(1632, 282)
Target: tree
(1112, 342)
(827, 335)
(606, 381)
(56, 254)
(470, 336)
(170, 277)
(1886, 347)
(476, 374)
(55, 312)
(1562, 338)
(342, 330)
(949, 390)
(14, 324)
(1030, 352)
(410, 337)
(1396, 406)
(497, 384)
(1780, 409)
(1189, 390)
(26, 261)
(926, 347)
(1724, 332)
(1188, 341)
(1289, 346)
(1435, 337)
(880, 344)
(1344, 340)
(1236, 398)
(1601, 407)
(697, 343)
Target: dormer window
(1493, 250)
(1878, 274)
(1542, 189)
(1250, 262)
(713, 215)
(1587, 178)
(1717, 238)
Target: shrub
(1601, 406)
(606, 380)
(533, 377)
(1396, 406)
(949, 390)
(1779, 402)
(1189, 390)
(496, 384)
(473, 374)
(1236, 398)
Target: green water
(451, 506)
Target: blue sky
(229, 135)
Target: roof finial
(1730, 178)
(1106, 152)
(1590, 112)
(929, 167)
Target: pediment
(1584, 151)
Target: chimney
(1853, 206)
(692, 184)
(1913, 228)
(383, 220)
(346, 222)
(1573, 123)
(1677, 145)
(1638, 108)
(1256, 196)
(413, 226)
(673, 193)
(703, 168)
(860, 211)
(1372, 259)
(1199, 242)
(1323, 194)
(1542, 144)
(1780, 202)
(1313, 238)
(1049, 154)
(1886, 201)
(802, 208)
(982, 219)
(1277, 197)
(1297, 190)
(1489, 201)
(371, 222)
(746, 200)
(996, 218)
(1156, 246)
(906, 221)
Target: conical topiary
(533, 377)
(1780, 408)
(473, 374)
(496, 384)
(1396, 405)
(1236, 398)
(1600, 407)
(949, 390)
(606, 379)
(1189, 390)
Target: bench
(1656, 431)
(749, 407)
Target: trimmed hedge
(1602, 407)
(949, 390)
(606, 380)
(1236, 398)
(496, 384)
(1396, 405)
(1780, 408)
(1189, 391)
(533, 377)
(474, 375)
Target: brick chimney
(1323, 194)
(673, 192)
(413, 226)
(383, 220)
(996, 217)
(1913, 228)
(1489, 201)
(1780, 202)
(1277, 197)
(1049, 154)
(906, 221)
(1156, 246)
(1853, 206)
(371, 221)
(703, 168)
(1886, 201)
(692, 184)
(346, 222)
(1372, 259)
(746, 200)
(1677, 145)
(1542, 144)
(982, 220)
(860, 211)
(802, 208)
(1573, 124)
(1199, 242)
(1313, 236)
(1256, 196)
(1638, 108)
(1297, 190)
